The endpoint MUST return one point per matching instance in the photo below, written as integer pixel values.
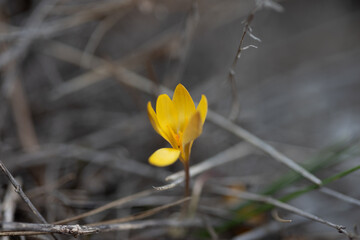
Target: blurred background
(76, 77)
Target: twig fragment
(185, 42)
(238, 151)
(142, 215)
(267, 229)
(18, 189)
(340, 196)
(235, 107)
(33, 22)
(282, 205)
(275, 215)
(235, 152)
(97, 35)
(110, 205)
(257, 142)
(16, 229)
(9, 204)
(22, 115)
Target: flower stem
(187, 179)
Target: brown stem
(187, 179)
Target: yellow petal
(193, 129)
(152, 117)
(183, 104)
(166, 134)
(166, 113)
(154, 122)
(164, 157)
(202, 108)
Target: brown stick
(187, 178)
(18, 189)
(22, 116)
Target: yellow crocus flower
(179, 123)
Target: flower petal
(183, 104)
(166, 113)
(164, 157)
(193, 129)
(202, 108)
(155, 123)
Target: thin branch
(142, 215)
(196, 194)
(210, 229)
(235, 106)
(18, 189)
(233, 153)
(110, 205)
(50, 187)
(34, 22)
(17, 229)
(9, 204)
(51, 28)
(170, 185)
(267, 229)
(257, 142)
(95, 39)
(191, 24)
(21, 229)
(282, 205)
(116, 161)
(275, 215)
(22, 114)
(340, 196)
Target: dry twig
(16, 229)
(34, 22)
(267, 229)
(18, 189)
(22, 115)
(110, 205)
(282, 205)
(142, 215)
(235, 152)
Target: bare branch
(257, 142)
(267, 229)
(185, 45)
(110, 205)
(34, 22)
(282, 205)
(98, 34)
(18, 189)
(9, 204)
(233, 153)
(22, 114)
(142, 215)
(340, 196)
(235, 107)
(16, 229)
